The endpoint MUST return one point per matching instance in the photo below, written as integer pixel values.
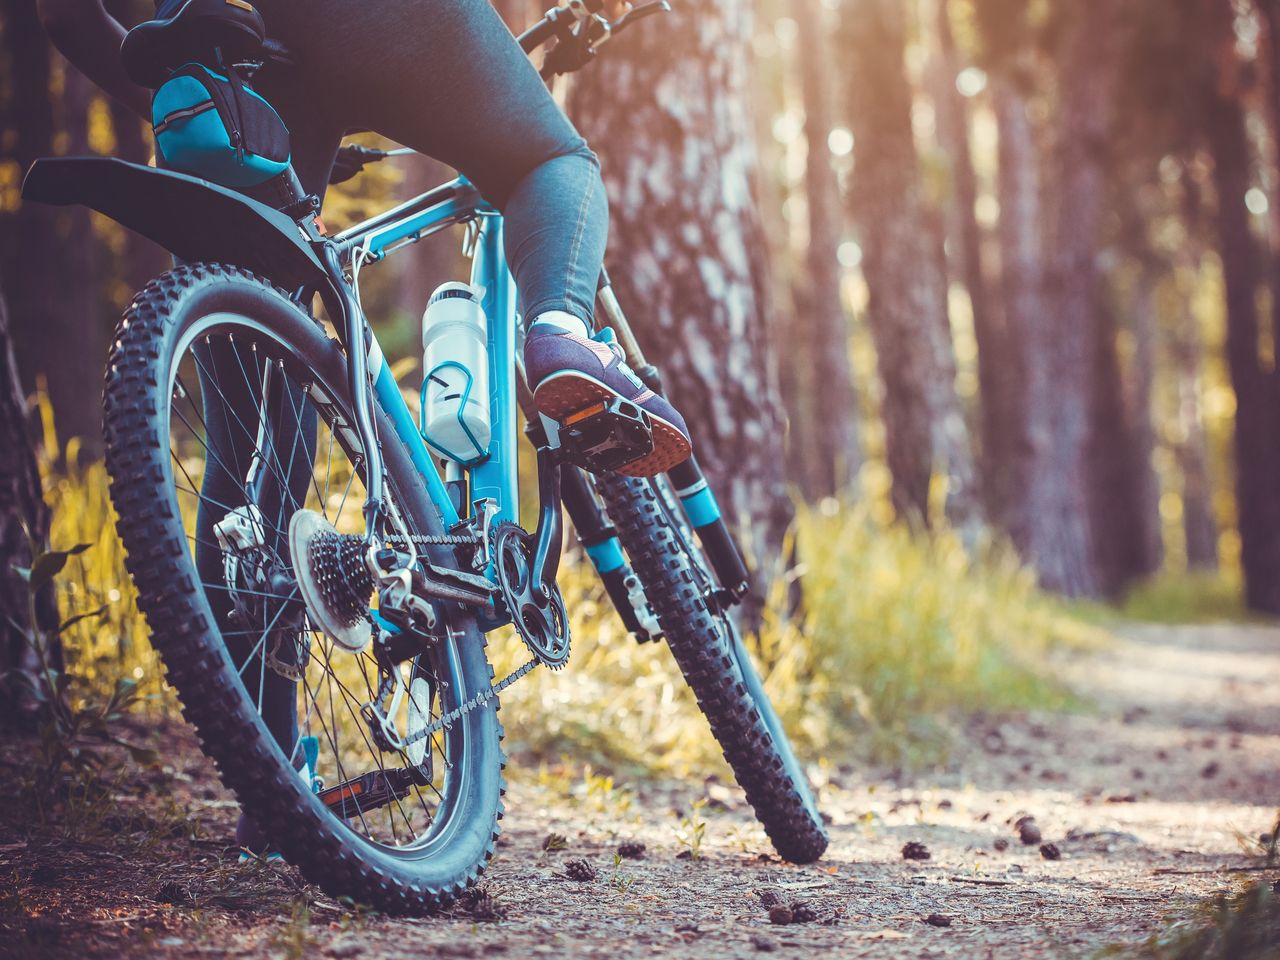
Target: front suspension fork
(690, 483)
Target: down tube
(392, 402)
(495, 479)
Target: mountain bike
(321, 599)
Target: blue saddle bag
(215, 127)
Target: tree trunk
(518, 14)
(966, 254)
(1119, 450)
(24, 518)
(1191, 448)
(925, 430)
(829, 437)
(49, 253)
(667, 112)
(433, 260)
(140, 261)
(1257, 427)
(1062, 342)
(1200, 526)
(1149, 555)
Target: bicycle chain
(493, 689)
(479, 700)
(445, 540)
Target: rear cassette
(332, 577)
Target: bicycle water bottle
(455, 389)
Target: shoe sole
(561, 394)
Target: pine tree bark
(1191, 451)
(1149, 554)
(925, 431)
(1122, 497)
(1009, 450)
(140, 260)
(1063, 343)
(829, 435)
(967, 259)
(666, 110)
(1191, 448)
(1257, 387)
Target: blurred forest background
(956, 289)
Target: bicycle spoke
(251, 431)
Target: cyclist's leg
(446, 78)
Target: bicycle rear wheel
(709, 651)
(227, 411)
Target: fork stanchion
(691, 486)
(704, 515)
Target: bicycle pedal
(606, 435)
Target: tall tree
(829, 437)
(1008, 450)
(925, 431)
(666, 110)
(1191, 446)
(1256, 383)
(1061, 344)
(965, 246)
(139, 260)
(49, 255)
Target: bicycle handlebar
(578, 29)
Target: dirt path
(1151, 801)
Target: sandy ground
(1151, 802)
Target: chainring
(541, 622)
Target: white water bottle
(455, 390)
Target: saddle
(192, 31)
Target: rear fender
(193, 219)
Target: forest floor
(1148, 802)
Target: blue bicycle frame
(493, 479)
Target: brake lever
(575, 50)
(638, 12)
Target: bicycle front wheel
(715, 663)
(227, 411)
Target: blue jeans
(446, 78)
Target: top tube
(454, 202)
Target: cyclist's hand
(614, 9)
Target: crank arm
(547, 538)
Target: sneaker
(569, 372)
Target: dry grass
(899, 634)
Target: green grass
(901, 633)
(1239, 926)
(1188, 598)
